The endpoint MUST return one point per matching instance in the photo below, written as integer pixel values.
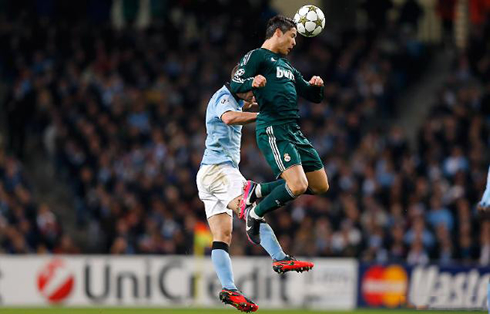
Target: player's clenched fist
(259, 81)
(316, 81)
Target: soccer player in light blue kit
(485, 200)
(483, 206)
(220, 185)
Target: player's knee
(298, 187)
(323, 188)
(223, 236)
(326, 187)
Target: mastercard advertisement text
(423, 287)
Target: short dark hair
(279, 21)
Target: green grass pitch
(206, 311)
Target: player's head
(282, 32)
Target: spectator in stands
(25, 226)
(121, 113)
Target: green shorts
(284, 146)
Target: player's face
(287, 41)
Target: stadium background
(102, 128)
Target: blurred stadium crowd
(121, 115)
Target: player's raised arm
(227, 112)
(240, 118)
(246, 77)
(312, 90)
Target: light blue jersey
(485, 200)
(222, 141)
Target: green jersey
(278, 100)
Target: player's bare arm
(238, 118)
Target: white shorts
(218, 185)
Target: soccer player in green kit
(276, 85)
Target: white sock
(258, 191)
(254, 215)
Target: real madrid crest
(287, 158)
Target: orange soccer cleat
(291, 264)
(236, 299)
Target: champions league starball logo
(55, 281)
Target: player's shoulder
(287, 62)
(224, 96)
(255, 54)
(225, 99)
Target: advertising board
(433, 286)
(169, 281)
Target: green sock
(277, 198)
(266, 188)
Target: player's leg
(295, 183)
(317, 182)
(284, 161)
(269, 242)
(295, 178)
(217, 183)
(281, 263)
(221, 226)
(252, 191)
(312, 164)
(268, 239)
(265, 188)
(219, 219)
